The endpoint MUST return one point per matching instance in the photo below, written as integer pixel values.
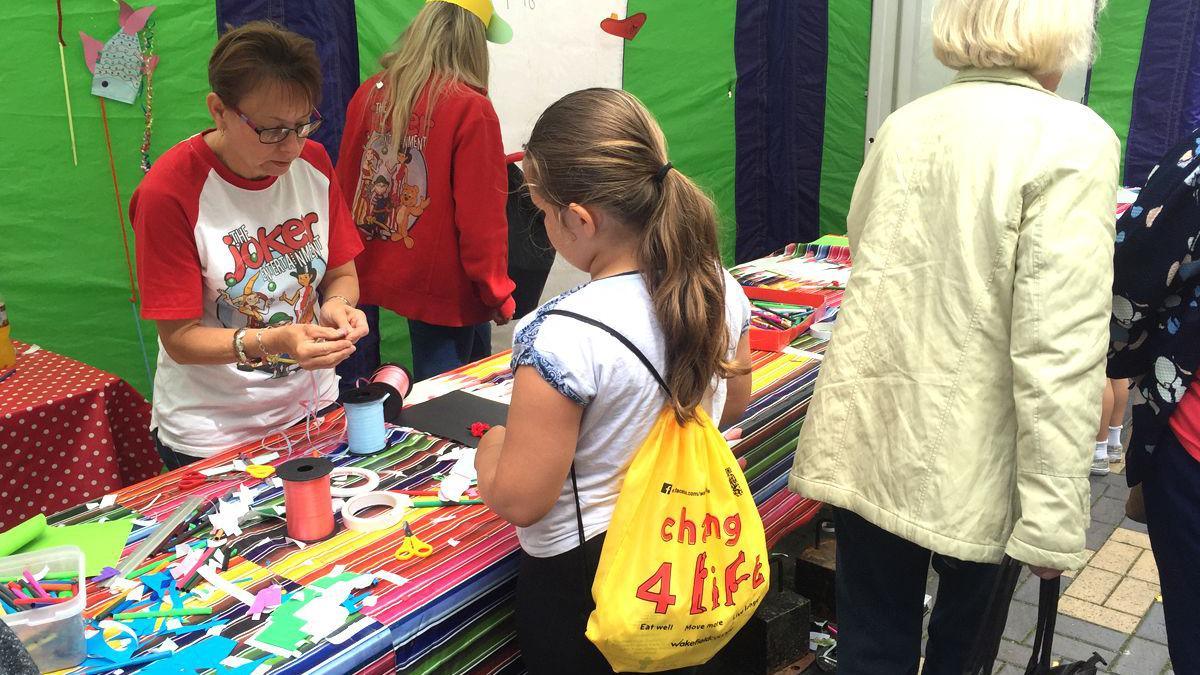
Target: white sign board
(557, 47)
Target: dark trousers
(554, 600)
(172, 458)
(1171, 487)
(438, 349)
(528, 293)
(880, 593)
(365, 360)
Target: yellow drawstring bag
(684, 564)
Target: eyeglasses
(279, 134)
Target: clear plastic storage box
(53, 634)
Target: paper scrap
(267, 599)
(92, 506)
(337, 570)
(105, 574)
(239, 465)
(184, 566)
(442, 519)
(391, 577)
(137, 593)
(265, 459)
(453, 487)
(100, 646)
(167, 645)
(370, 601)
(272, 649)
(102, 543)
(452, 542)
(174, 624)
(122, 585)
(279, 510)
(213, 471)
(202, 655)
(213, 577)
(145, 522)
(299, 544)
(107, 501)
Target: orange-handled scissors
(412, 547)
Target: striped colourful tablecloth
(453, 613)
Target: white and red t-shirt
(235, 253)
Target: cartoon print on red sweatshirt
(393, 190)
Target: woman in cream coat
(954, 416)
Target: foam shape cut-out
(626, 28)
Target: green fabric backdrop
(681, 65)
(1121, 29)
(62, 268)
(845, 108)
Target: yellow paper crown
(498, 30)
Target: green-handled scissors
(412, 547)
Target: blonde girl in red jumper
(422, 146)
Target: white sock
(1114, 435)
(1101, 450)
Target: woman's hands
(350, 320)
(313, 347)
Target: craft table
(68, 433)
(451, 612)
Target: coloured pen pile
(777, 316)
(28, 592)
(823, 269)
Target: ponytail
(601, 147)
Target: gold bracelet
(340, 297)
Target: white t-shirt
(621, 398)
(236, 253)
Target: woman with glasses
(423, 165)
(245, 253)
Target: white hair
(1038, 36)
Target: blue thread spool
(365, 432)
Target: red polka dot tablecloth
(69, 433)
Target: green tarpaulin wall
(62, 266)
(1121, 29)
(845, 109)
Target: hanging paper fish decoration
(118, 65)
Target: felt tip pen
(434, 503)
(7, 374)
(166, 613)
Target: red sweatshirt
(433, 219)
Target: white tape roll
(370, 477)
(822, 331)
(397, 504)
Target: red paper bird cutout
(624, 28)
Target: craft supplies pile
(295, 551)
